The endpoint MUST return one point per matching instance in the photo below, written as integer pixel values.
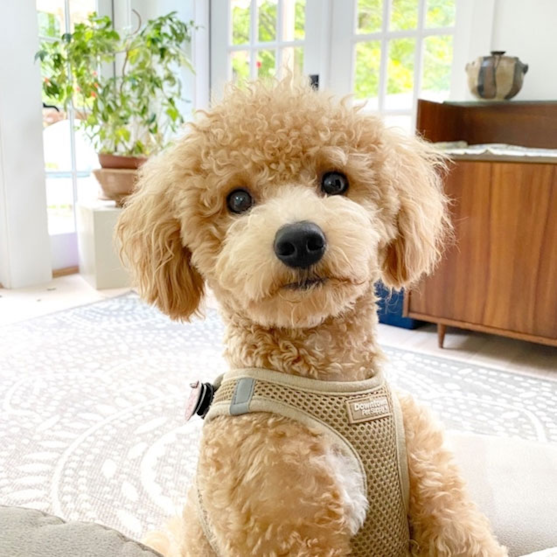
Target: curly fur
(283, 493)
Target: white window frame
(329, 48)
(316, 32)
(254, 45)
(345, 38)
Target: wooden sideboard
(500, 276)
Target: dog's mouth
(305, 284)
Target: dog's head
(288, 204)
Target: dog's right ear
(151, 246)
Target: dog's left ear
(415, 170)
(152, 248)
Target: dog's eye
(239, 201)
(334, 183)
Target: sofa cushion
(32, 533)
(514, 482)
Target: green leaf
(173, 113)
(123, 133)
(138, 148)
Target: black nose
(300, 245)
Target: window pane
(267, 15)
(59, 200)
(438, 55)
(400, 74)
(265, 63)
(368, 63)
(404, 15)
(52, 116)
(50, 14)
(300, 22)
(240, 62)
(370, 16)
(240, 21)
(293, 59)
(55, 112)
(88, 188)
(293, 20)
(80, 10)
(440, 13)
(57, 148)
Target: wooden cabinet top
(529, 124)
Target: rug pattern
(92, 399)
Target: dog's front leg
(269, 490)
(443, 519)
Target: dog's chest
(363, 447)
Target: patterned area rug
(91, 421)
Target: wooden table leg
(441, 330)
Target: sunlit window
(266, 36)
(68, 155)
(403, 51)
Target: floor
(504, 353)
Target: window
(265, 37)
(386, 53)
(68, 156)
(402, 50)
(262, 38)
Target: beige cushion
(31, 533)
(514, 482)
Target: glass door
(69, 158)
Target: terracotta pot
(116, 183)
(496, 77)
(108, 160)
(117, 176)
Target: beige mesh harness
(365, 422)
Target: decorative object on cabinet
(496, 77)
(501, 275)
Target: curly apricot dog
(290, 205)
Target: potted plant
(123, 90)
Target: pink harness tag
(199, 401)
(193, 400)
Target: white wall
(24, 241)
(528, 29)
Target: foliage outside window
(265, 32)
(133, 112)
(437, 56)
(437, 53)
(49, 25)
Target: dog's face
(289, 205)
